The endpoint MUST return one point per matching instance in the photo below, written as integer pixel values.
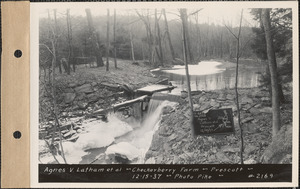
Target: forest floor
(91, 89)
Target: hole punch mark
(18, 53)
(17, 134)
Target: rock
(214, 104)
(250, 149)
(85, 88)
(94, 84)
(196, 107)
(82, 105)
(250, 161)
(69, 134)
(68, 90)
(230, 149)
(69, 97)
(265, 99)
(79, 130)
(72, 85)
(266, 110)
(167, 109)
(202, 99)
(280, 147)
(247, 119)
(184, 94)
(80, 96)
(92, 97)
(124, 150)
(222, 157)
(230, 97)
(254, 111)
(222, 97)
(205, 106)
(246, 100)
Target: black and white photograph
(162, 90)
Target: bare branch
(230, 31)
(195, 12)
(41, 44)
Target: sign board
(213, 122)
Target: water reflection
(247, 78)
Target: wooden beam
(129, 102)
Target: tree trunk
(115, 48)
(161, 57)
(131, 45)
(190, 52)
(71, 55)
(183, 15)
(107, 41)
(149, 35)
(55, 43)
(95, 39)
(273, 72)
(168, 35)
(198, 38)
(221, 48)
(154, 44)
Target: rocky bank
(173, 142)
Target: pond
(210, 75)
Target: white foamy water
(202, 68)
(118, 136)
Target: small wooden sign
(213, 122)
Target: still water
(209, 75)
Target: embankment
(173, 142)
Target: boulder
(184, 94)
(82, 105)
(280, 149)
(69, 97)
(222, 97)
(196, 107)
(230, 97)
(266, 110)
(72, 84)
(204, 106)
(202, 99)
(92, 97)
(214, 103)
(246, 100)
(85, 88)
(250, 149)
(80, 96)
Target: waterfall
(141, 137)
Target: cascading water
(104, 142)
(141, 137)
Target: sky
(216, 13)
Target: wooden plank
(15, 106)
(155, 88)
(129, 102)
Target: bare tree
(131, 44)
(107, 41)
(95, 38)
(168, 35)
(160, 54)
(183, 16)
(146, 21)
(70, 43)
(238, 54)
(53, 95)
(115, 47)
(273, 72)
